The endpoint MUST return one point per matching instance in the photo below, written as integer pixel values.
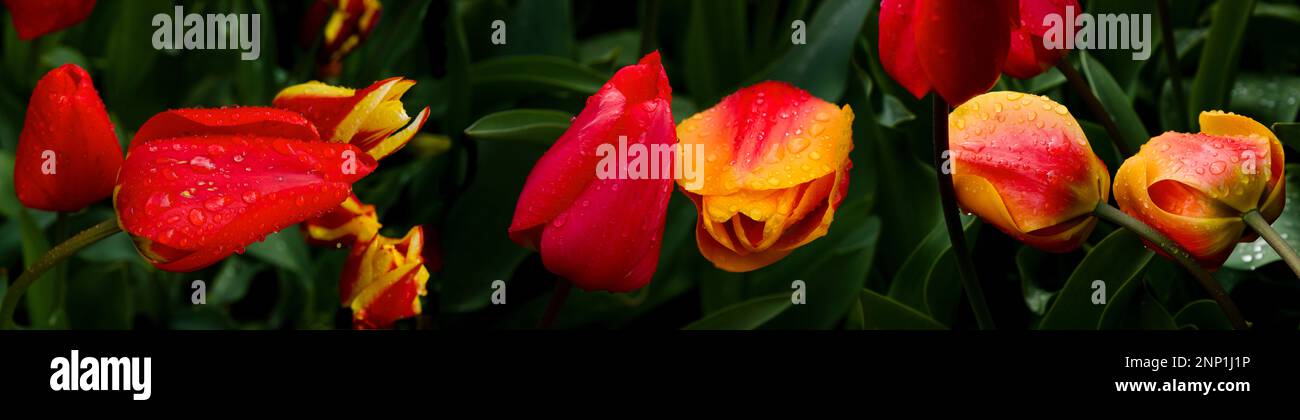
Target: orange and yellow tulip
(776, 168)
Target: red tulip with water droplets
(199, 185)
(1022, 163)
(68, 154)
(602, 234)
(383, 280)
(1194, 188)
(373, 119)
(776, 169)
(33, 18)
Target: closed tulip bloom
(1027, 56)
(349, 223)
(383, 279)
(1194, 188)
(776, 168)
(33, 18)
(199, 185)
(372, 119)
(956, 48)
(602, 233)
(68, 154)
(1021, 163)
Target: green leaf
(1288, 133)
(231, 283)
(1218, 66)
(393, 39)
(714, 50)
(1266, 97)
(1133, 308)
(539, 126)
(879, 312)
(1252, 255)
(45, 296)
(9, 205)
(1115, 261)
(839, 267)
(1204, 314)
(285, 249)
(746, 315)
(541, 27)
(1042, 275)
(99, 297)
(822, 65)
(911, 285)
(535, 74)
(1117, 103)
(614, 49)
(130, 47)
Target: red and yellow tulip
(383, 279)
(1194, 188)
(776, 168)
(342, 25)
(1021, 163)
(199, 185)
(68, 154)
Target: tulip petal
(383, 279)
(349, 223)
(341, 113)
(1209, 239)
(267, 122)
(1232, 171)
(962, 45)
(194, 200)
(1229, 124)
(766, 137)
(898, 49)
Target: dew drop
(815, 156)
(797, 144)
(197, 217)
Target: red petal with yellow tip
(350, 222)
(383, 279)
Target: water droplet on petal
(197, 217)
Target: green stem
(49, 260)
(649, 27)
(1080, 86)
(1257, 222)
(1212, 286)
(948, 201)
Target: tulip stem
(1080, 86)
(1275, 240)
(561, 294)
(49, 260)
(948, 203)
(1212, 286)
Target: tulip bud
(68, 154)
(344, 25)
(369, 119)
(33, 18)
(1021, 163)
(191, 196)
(776, 168)
(383, 280)
(602, 233)
(1194, 188)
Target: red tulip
(33, 18)
(955, 47)
(68, 154)
(198, 185)
(1028, 57)
(373, 119)
(383, 280)
(602, 234)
